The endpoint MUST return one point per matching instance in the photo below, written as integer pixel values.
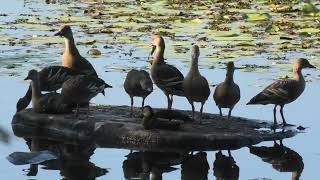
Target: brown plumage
(81, 89)
(153, 120)
(51, 79)
(195, 86)
(227, 94)
(167, 77)
(138, 83)
(71, 57)
(52, 103)
(284, 91)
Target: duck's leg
(201, 109)
(275, 115)
(229, 153)
(192, 106)
(143, 102)
(169, 102)
(229, 114)
(220, 111)
(131, 109)
(281, 112)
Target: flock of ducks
(79, 83)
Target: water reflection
(195, 166)
(73, 162)
(282, 158)
(225, 167)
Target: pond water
(26, 29)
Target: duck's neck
(36, 92)
(158, 54)
(194, 65)
(297, 74)
(229, 78)
(70, 46)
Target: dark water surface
(304, 149)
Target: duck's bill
(311, 66)
(58, 33)
(27, 78)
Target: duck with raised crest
(138, 83)
(167, 77)
(195, 86)
(284, 91)
(52, 103)
(79, 90)
(227, 93)
(71, 57)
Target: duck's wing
(170, 79)
(278, 92)
(86, 67)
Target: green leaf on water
(257, 16)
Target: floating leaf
(257, 16)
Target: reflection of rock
(282, 158)
(195, 167)
(145, 165)
(225, 167)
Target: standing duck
(284, 91)
(71, 57)
(195, 86)
(138, 83)
(79, 90)
(50, 79)
(52, 103)
(167, 77)
(227, 94)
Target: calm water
(304, 111)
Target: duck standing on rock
(227, 94)
(52, 103)
(79, 90)
(138, 83)
(167, 77)
(51, 79)
(284, 91)
(71, 57)
(195, 86)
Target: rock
(94, 52)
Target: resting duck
(52, 103)
(71, 57)
(284, 91)
(80, 89)
(195, 86)
(138, 83)
(151, 120)
(50, 79)
(227, 94)
(168, 78)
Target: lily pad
(257, 16)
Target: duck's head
(147, 112)
(146, 84)
(230, 68)
(32, 75)
(302, 63)
(64, 31)
(157, 41)
(195, 53)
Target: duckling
(138, 83)
(46, 103)
(71, 57)
(50, 79)
(167, 77)
(151, 120)
(284, 91)
(195, 86)
(227, 94)
(81, 89)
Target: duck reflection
(150, 165)
(195, 167)
(282, 158)
(73, 161)
(225, 167)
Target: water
(301, 112)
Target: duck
(51, 79)
(71, 57)
(79, 90)
(227, 93)
(195, 86)
(138, 83)
(167, 77)
(52, 103)
(151, 120)
(283, 91)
